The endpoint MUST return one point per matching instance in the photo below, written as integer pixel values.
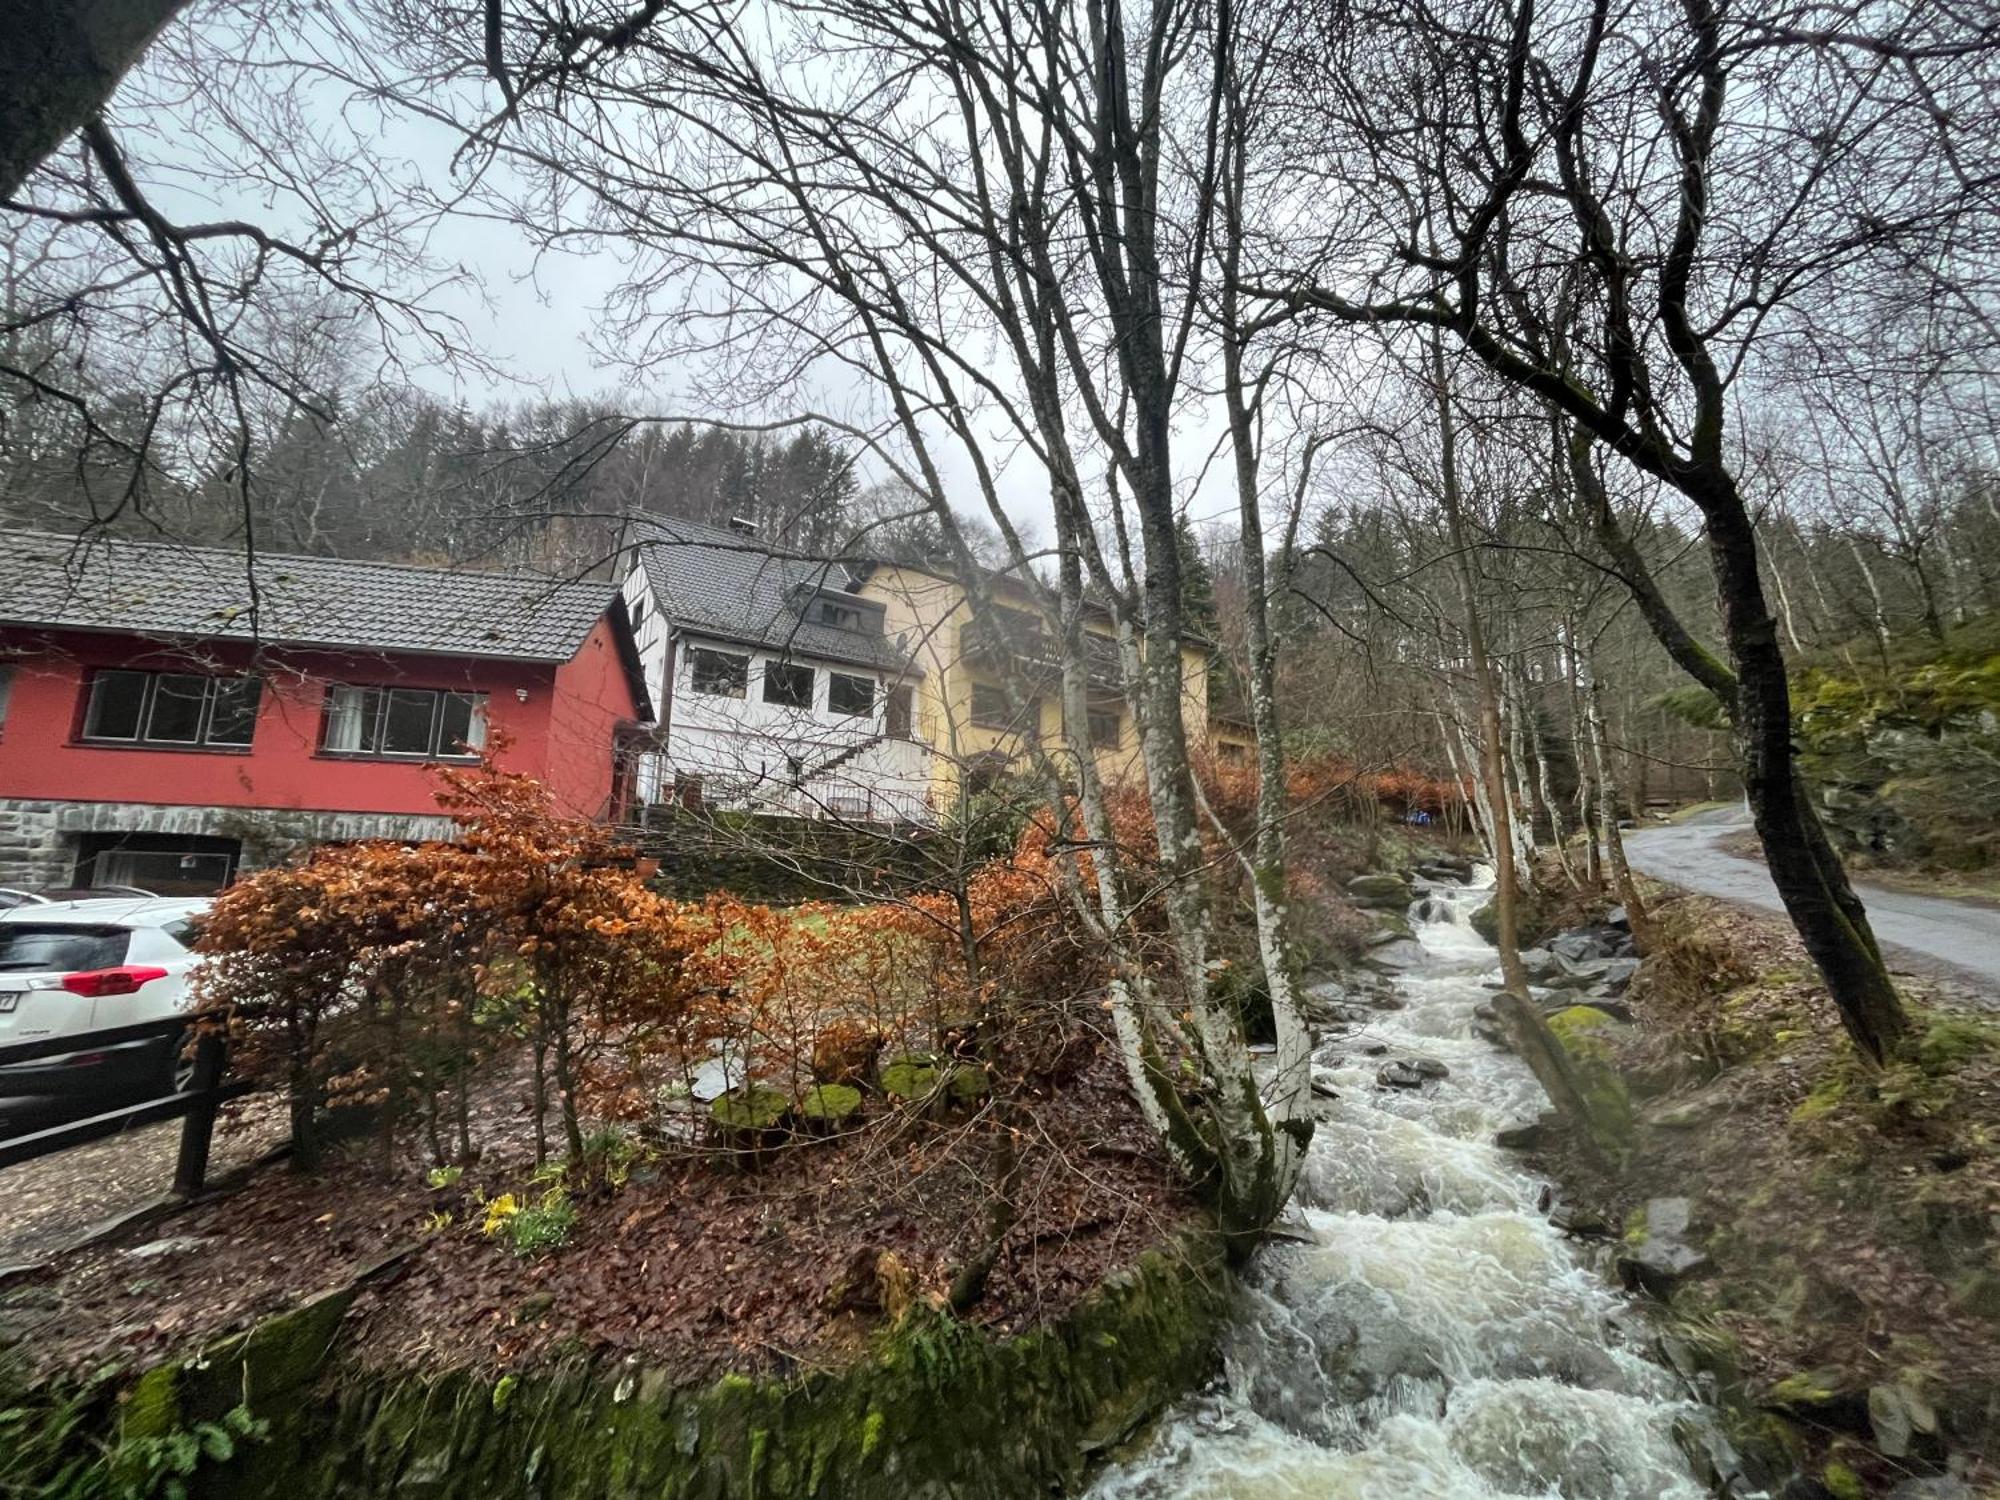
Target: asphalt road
(1959, 938)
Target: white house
(778, 689)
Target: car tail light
(124, 980)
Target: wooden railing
(195, 1106)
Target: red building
(171, 714)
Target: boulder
(1390, 926)
(1539, 963)
(1525, 1136)
(1400, 1075)
(1380, 892)
(1583, 1223)
(1619, 918)
(1582, 943)
(1658, 1266)
(1658, 1254)
(1393, 957)
(1900, 1417)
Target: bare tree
(1594, 224)
(992, 222)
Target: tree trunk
(62, 60)
(1810, 878)
(1622, 883)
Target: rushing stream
(1433, 1337)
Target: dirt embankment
(1841, 1286)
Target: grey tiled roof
(719, 583)
(163, 589)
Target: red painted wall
(549, 714)
(593, 696)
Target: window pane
(1106, 728)
(407, 719)
(902, 713)
(175, 716)
(350, 720)
(462, 724)
(849, 695)
(232, 712)
(60, 946)
(719, 673)
(115, 701)
(788, 684)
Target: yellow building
(964, 710)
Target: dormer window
(839, 616)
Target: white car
(71, 968)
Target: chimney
(742, 525)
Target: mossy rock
(967, 1084)
(754, 1109)
(909, 1077)
(830, 1106)
(1586, 1034)
(1390, 926)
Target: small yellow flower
(499, 1211)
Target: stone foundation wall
(38, 840)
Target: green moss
(755, 1108)
(1842, 1482)
(830, 1103)
(1806, 1388)
(1585, 1031)
(1826, 1097)
(152, 1408)
(910, 1077)
(1949, 1042)
(936, 1407)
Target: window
(411, 723)
(840, 616)
(991, 710)
(788, 684)
(171, 708)
(66, 945)
(1107, 728)
(720, 674)
(849, 695)
(901, 714)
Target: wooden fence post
(198, 1126)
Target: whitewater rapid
(1425, 1333)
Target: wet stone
(1584, 1223)
(1523, 1137)
(1411, 1073)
